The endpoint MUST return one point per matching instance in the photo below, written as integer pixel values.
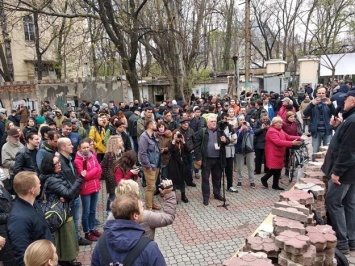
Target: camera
(179, 135)
(222, 124)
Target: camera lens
(179, 136)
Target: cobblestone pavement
(208, 235)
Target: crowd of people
(69, 153)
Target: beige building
(21, 32)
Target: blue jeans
(340, 202)
(111, 197)
(76, 216)
(318, 139)
(89, 211)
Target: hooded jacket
(97, 134)
(121, 237)
(42, 152)
(91, 182)
(59, 119)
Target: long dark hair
(126, 161)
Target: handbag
(55, 211)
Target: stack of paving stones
(296, 239)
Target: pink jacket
(282, 112)
(119, 175)
(276, 142)
(91, 182)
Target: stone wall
(59, 92)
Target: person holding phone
(320, 110)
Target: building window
(29, 28)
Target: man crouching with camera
(210, 155)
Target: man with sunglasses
(320, 110)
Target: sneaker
(91, 237)
(95, 233)
(83, 242)
(352, 248)
(197, 175)
(232, 189)
(239, 184)
(252, 185)
(75, 263)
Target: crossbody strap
(105, 255)
(134, 252)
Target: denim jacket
(148, 153)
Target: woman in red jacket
(86, 160)
(123, 166)
(276, 142)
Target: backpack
(248, 143)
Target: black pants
(259, 156)
(211, 166)
(229, 172)
(187, 171)
(273, 172)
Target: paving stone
(297, 195)
(247, 260)
(290, 213)
(282, 224)
(293, 204)
(318, 190)
(312, 180)
(259, 244)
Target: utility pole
(236, 75)
(247, 45)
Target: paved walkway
(205, 235)
(208, 235)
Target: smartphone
(244, 123)
(323, 100)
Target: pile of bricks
(296, 239)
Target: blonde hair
(113, 144)
(39, 253)
(24, 181)
(127, 187)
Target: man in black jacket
(339, 167)
(210, 154)
(132, 128)
(25, 159)
(188, 134)
(26, 222)
(65, 149)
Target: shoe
(344, 250)
(277, 188)
(287, 172)
(97, 222)
(232, 189)
(264, 182)
(91, 237)
(205, 202)
(352, 248)
(156, 207)
(239, 184)
(252, 185)
(219, 197)
(197, 175)
(257, 173)
(192, 184)
(95, 233)
(84, 242)
(184, 199)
